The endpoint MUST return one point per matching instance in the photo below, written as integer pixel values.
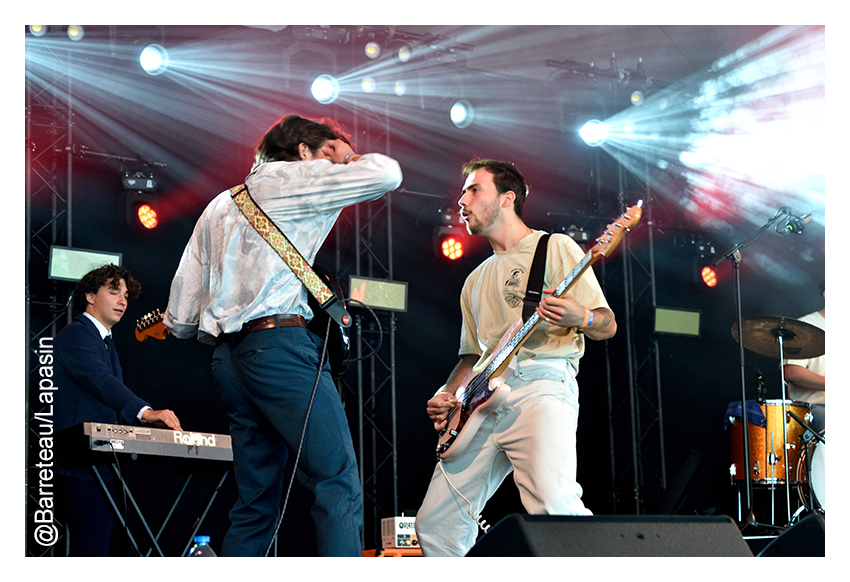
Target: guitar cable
(322, 359)
(475, 515)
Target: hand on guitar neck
(564, 311)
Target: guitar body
(462, 426)
(339, 344)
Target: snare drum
(767, 450)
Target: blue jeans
(266, 380)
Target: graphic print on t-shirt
(513, 291)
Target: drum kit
(780, 448)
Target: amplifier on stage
(398, 532)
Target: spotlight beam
(739, 134)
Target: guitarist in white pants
(532, 433)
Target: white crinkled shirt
(229, 274)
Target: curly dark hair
(281, 141)
(506, 177)
(109, 275)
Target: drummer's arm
(804, 378)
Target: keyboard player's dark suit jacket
(89, 383)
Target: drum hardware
(794, 338)
(814, 453)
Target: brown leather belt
(273, 321)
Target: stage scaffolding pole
(372, 380)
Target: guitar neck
(511, 347)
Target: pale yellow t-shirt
(492, 296)
(816, 365)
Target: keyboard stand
(155, 538)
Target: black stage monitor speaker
(612, 536)
(806, 539)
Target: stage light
(140, 199)
(594, 133)
(38, 29)
(147, 216)
(709, 276)
(400, 88)
(325, 89)
(76, 32)
(404, 53)
(368, 84)
(636, 97)
(461, 114)
(141, 210)
(153, 59)
(450, 242)
(372, 50)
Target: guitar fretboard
(510, 347)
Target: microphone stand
(734, 255)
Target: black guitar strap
(533, 292)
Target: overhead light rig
(383, 41)
(588, 76)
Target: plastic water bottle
(202, 548)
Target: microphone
(760, 390)
(794, 224)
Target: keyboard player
(90, 388)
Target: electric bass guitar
(483, 390)
(339, 344)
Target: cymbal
(800, 340)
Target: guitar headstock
(615, 231)
(151, 325)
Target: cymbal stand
(780, 335)
(734, 255)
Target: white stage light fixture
(461, 113)
(325, 89)
(368, 84)
(594, 133)
(400, 88)
(637, 97)
(38, 29)
(372, 50)
(153, 59)
(76, 32)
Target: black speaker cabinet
(806, 539)
(612, 536)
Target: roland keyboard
(102, 437)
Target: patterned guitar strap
(290, 255)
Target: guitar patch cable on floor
(479, 519)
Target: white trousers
(532, 434)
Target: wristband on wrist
(588, 320)
(345, 161)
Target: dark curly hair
(281, 141)
(109, 275)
